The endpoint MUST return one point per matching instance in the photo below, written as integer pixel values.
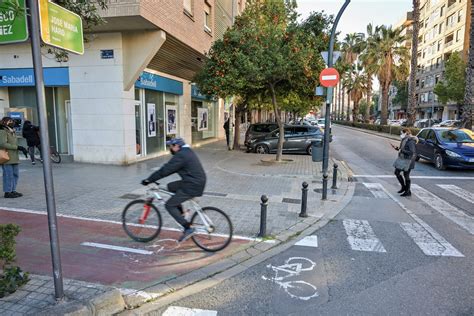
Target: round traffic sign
(329, 77)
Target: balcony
(446, 45)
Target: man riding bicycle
(193, 180)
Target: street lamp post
(327, 120)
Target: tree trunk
(348, 113)
(236, 129)
(468, 108)
(369, 101)
(341, 116)
(281, 128)
(355, 111)
(414, 64)
(384, 116)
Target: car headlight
(452, 154)
(252, 141)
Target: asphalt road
(382, 255)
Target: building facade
(444, 29)
(131, 90)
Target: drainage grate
(215, 194)
(130, 196)
(293, 201)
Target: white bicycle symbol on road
(293, 267)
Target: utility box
(317, 150)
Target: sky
(359, 13)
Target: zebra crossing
(361, 236)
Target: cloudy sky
(359, 13)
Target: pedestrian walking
(227, 131)
(31, 134)
(9, 157)
(406, 160)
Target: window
(459, 16)
(440, 43)
(458, 35)
(188, 6)
(440, 28)
(422, 83)
(438, 62)
(423, 133)
(207, 18)
(299, 131)
(451, 20)
(441, 12)
(437, 77)
(431, 136)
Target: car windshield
(454, 136)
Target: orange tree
(266, 52)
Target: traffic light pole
(327, 120)
(45, 149)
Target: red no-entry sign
(329, 77)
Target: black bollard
(334, 176)
(325, 187)
(304, 200)
(263, 216)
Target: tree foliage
(401, 98)
(451, 87)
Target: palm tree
(414, 63)
(356, 81)
(389, 59)
(351, 48)
(468, 110)
(370, 70)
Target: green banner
(61, 28)
(13, 24)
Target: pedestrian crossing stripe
(184, 311)
(376, 189)
(449, 211)
(463, 194)
(361, 236)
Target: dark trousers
(405, 181)
(173, 205)
(31, 151)
(227, 137)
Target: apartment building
(444, 29)
(131, 90)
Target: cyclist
(193, 180)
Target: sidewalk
(236, 180)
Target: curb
(212, 275)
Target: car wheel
(417, 158)
(439, 163)
(261, 149)
(309, 150)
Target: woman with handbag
(406, 160)
(9, 157)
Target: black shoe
(33, 163)
(18, 194)
(406, 193)
(188, 232)
(10, 195)
(401, 190)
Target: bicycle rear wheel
(215, 236)
(141, 221)
(55, 157)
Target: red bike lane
(100, 251)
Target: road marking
(183, 311)
(443, 242)
(413, 177)
(308, 241)
(376, 189)
(443, 207)
(427, 243)
(118, 248)
(21, 210)
(361, 236)
(463, 194)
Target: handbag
(4, 157)
(402, 164)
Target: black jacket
(186, 163)
(408, 149)
(30, 133)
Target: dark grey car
(298, 139)
(259, 129)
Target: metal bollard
(334, 176)
(263, 216)
(325, 187)
(304, 200)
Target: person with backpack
(31, 134)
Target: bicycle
(142, 221)
(293, 267)
(53, 154)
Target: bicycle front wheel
(141, 221)
(55, 157)
(213, 229)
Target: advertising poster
(171, 120)
(203, 119)
(151, 124)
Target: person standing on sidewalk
(406, 160)
(227, 131)
(9, 142)
(30, 133)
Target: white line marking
(427, 243)
(21, 210)
(413, 177)
(376, 189)
(463, 194)
(308, 241)
(329, 77)
(361, 236)
(443, 207)
(183, 311)
(118, 248)
(443, 242)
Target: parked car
(298, 138)
(259, 129)
(446, 147)
(448, 123)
